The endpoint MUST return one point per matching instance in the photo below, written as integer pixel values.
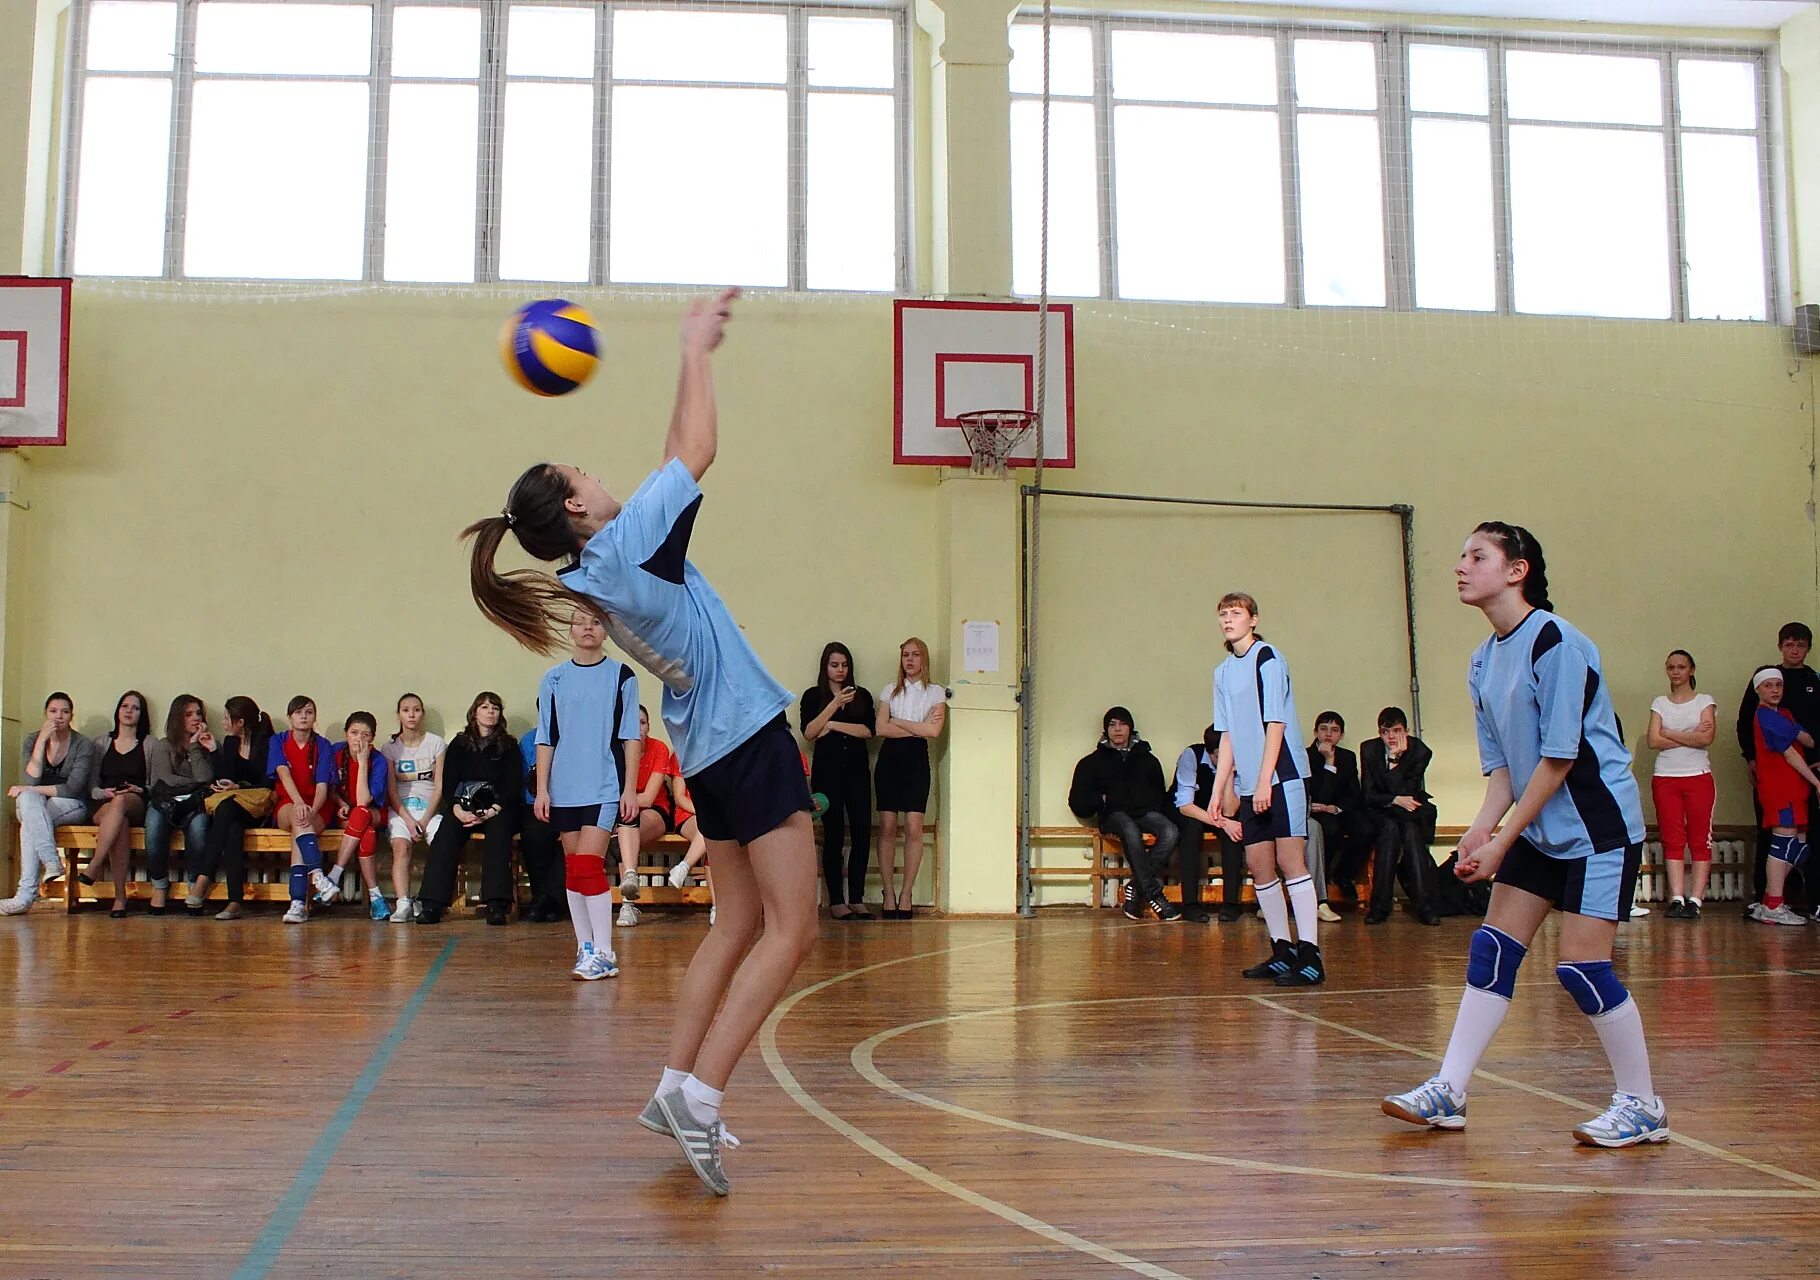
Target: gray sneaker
(700, 1143)
(630, 891)
(652, 1118)
(51, 869)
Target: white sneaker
(401, 914)
(1754, 911)
(628, 886)
(1326, 914)
(1628, 1121)
(52, 870)
(326, 889)
(1781, 915)
(16, 906)
(592, 965)
(1433, 1103)
(582, 960)
(298, 913)
(628, 915)
(679, 875)
(710, 915)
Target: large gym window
(1311, 167)
(437, 141)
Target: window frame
(1396, 143)
(492, 81)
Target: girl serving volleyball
(724, 711)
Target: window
(1294, 165)
(454, 141)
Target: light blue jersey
(581, 713)
(663, 614)
(1250, 692)
(1538, 694)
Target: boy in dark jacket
(1395, 768)
(1337, 804)
(1120, 785)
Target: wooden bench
(269, 858)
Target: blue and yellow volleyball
(550, 347)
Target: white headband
(1768, 673)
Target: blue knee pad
(1492, 960)
(1593, 985)
(310, 850)
(300, 884)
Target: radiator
(1733, 864)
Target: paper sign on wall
(979, 645)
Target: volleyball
(550, 347)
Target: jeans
(1145, 863)
(158, 831)
(39, 817)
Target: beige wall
(262, 496)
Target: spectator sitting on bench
(242, 799)
(1195, 769)
(59, 765)
(118, 797)
(1336, 803)
(1120, 784)
(482, 794)
(180, 770)
(362, 778)
(301, 765)
(1395, 766)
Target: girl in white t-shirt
(1680, 731)
(415, 758)
(911, 712)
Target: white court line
(865, 1142)
(1674, 1134)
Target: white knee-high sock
(578, 916)
(1621, 1032)
(1274, 909)
(1301, 901)
(600, 915)
(1481, 1014)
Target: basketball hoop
(992, 434)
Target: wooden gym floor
(1072, 1096)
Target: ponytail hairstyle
(1692, 666)
(1245, 601)
(174, 735)
(297, 704)
(1518, 543)
(530, 605)
(400, 707)
(362, 717)
(255, 725)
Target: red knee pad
(360, 826)
(585, 874)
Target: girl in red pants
(1680, 730)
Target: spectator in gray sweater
(59, 767)
(181, 762)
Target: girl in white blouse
(1680, 730)
(911, 711)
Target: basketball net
(992, 434)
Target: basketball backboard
(34, 360)
(953, 357)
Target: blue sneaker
(1628, 1121)
(376, 907)
(609, 964)
(1432, 1104)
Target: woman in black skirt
(911, 711)
(837, 715)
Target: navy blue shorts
(568, 818)
(1287, 816)
(1600, 885)
(753, 789)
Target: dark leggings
(849, 793)
(224, 851)
(438, 887)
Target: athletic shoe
(16, 906)
(1433, 1104)
(401, 914)
(609, 964)
(233, 911)
(52, 869)
(1692, 910)
(1282, 958)
(628, 915)
(700, 1142)
(710, 915)
(1326, 914)
(679, 876)
(376, 907)
(1128, 902)
(591, 965)
(1754, 911)
(1308, 970)
(1780, 915)
(1677, 910)
(652, 1118)
(298, 913)
(1628, 1121)
(628, 886)
(1164, 910)
(1636, 911)
(326, 889)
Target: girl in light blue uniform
(1561, 828)
(724, 711)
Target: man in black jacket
(1120, 784)
(1395, 767)
(1801, 695)
(1336, 802)
(1194, 773)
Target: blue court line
(278, 1228)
